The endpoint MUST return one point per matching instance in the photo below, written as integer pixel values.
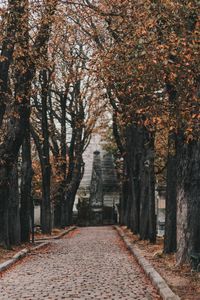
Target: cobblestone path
(91, 263)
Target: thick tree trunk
(7, 49)
(8, 153)
(20, 111)
(133, 177)
(71, 189)
(26, 180)
(171, 204)
(70, 198)
(171, 195)
(188, 200)
(67, 212)
(57, 210)
(19, 115)
(14, 216)
(64, 214)
(147, 188)
(66, 208)
(4, 205)
(144, 190)
(144, 205)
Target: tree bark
(133, 207)
(70, 193)
(188, 203)
(171, 197)
(60, 208)
(18, 121)
(123, 197)
(171, 189)
(26, 180)
(14, 215)
(20, 111)
(130, 159)
(46, 218)
(7, 49)
(147, 187)
(4, 205)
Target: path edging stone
(164, 290)
(21, 254)
(57, 236)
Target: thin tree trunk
(61, 209)
(46, 218)
(151, 192)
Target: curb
(57, 236)
(38, 247)
(160, 284)
(21, 254)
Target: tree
(19, 112)
(16, 114)
(136, 60)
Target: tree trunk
(123, 199)
(60, 209)
(151, 194)
(26, 180)
(4, 205)
(147, 188)
(7, 50)
(19, 115)
(133, 176)
(144, 205)
(57, 210)
(171, 204)
(46, 219)
(144, 189)
(171, 195)
(188, 200)
(70, 193)
(14, 217)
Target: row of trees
(146, 56)
(48, 111)
(65, 61)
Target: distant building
(160, 209)
(98, 196)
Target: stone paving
(90, 263)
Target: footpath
(89, 263)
